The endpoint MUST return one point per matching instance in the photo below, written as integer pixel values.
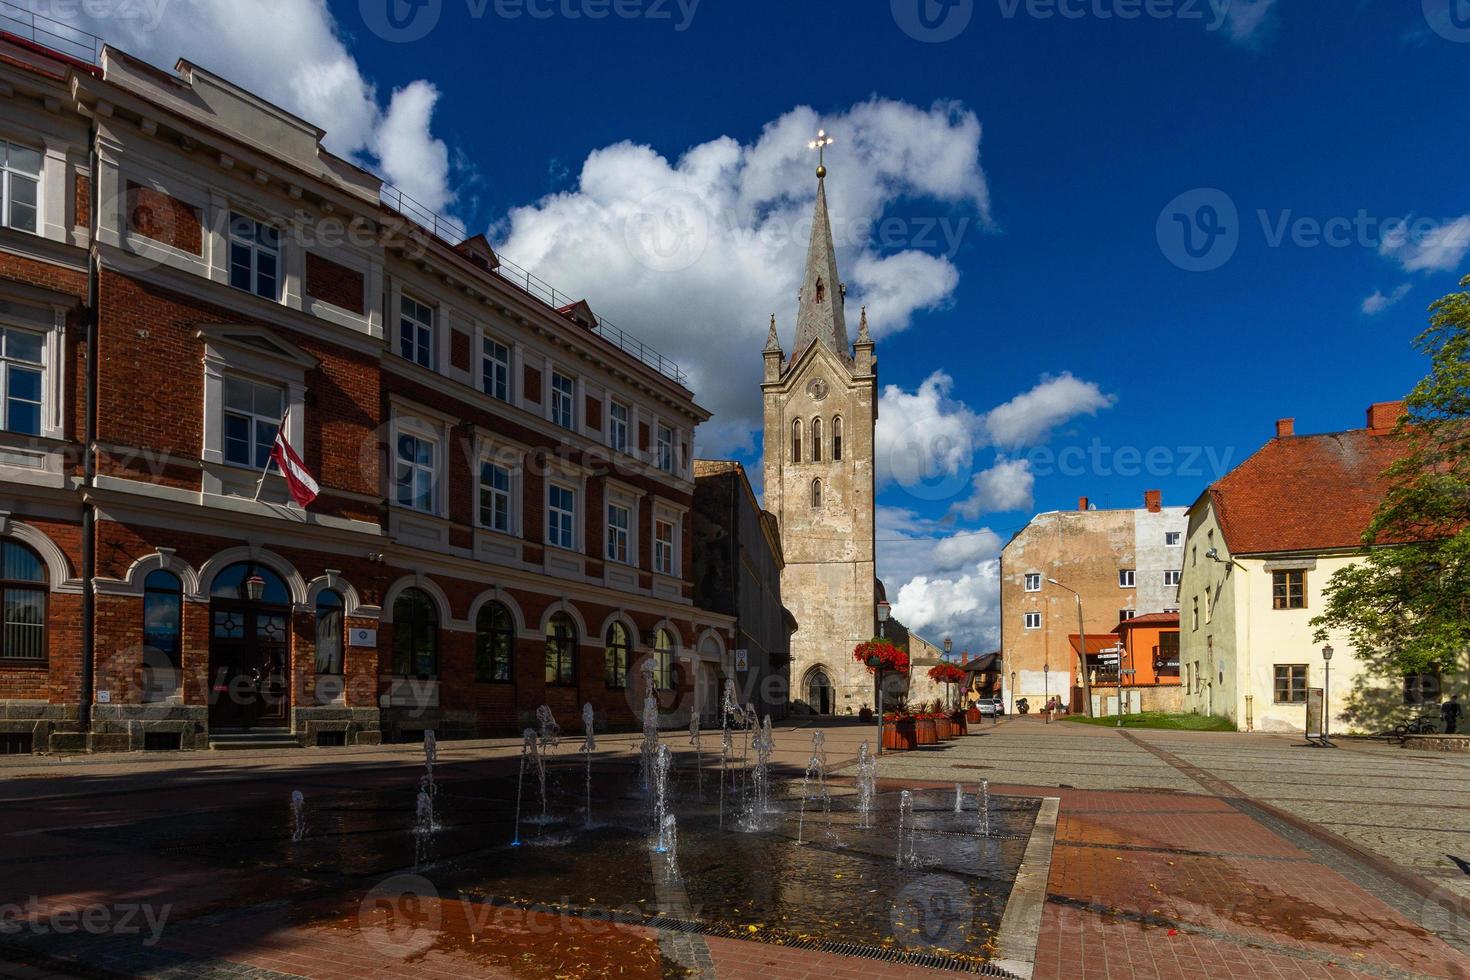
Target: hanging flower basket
(881, 655)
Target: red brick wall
(57, 680)
(82, 200)
(333, 283)
(165, 219)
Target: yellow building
(1262, 544)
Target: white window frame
(664, 447)
(489, 366)
(1029, 577)
(8, 173)
(416, 467)
(495, 493)
(257, 422)
(421, 328)
(1173, 539)
(619, 431)
(619, 535)
(563, 400)
(1173, 576)
(1031, 620)
(555, 513)
(256, 249)
(1127, 578)
(10, 365)
(666, 551)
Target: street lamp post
(1081, 647)
(948, 648)
(1046, 691)
(1326, 685)
(884, 610)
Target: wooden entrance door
(249, 652)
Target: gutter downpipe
(89, 441)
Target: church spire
(773, 342)
(820, 317)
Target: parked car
(991, 706)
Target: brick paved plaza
(1176, 855)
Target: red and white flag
(300, 482)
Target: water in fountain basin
(867, 786)
(589, 724)
(298, 815)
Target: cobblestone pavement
(1177, 855)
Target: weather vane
(820, 144)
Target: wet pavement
(1176, 855)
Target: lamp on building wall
(254, 587)
(1326, 684)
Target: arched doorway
(819, 692)
(249, 649)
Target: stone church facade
(821, 407)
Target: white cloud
(1246, 21)
(941, 583)
(1379, 302)
(291, 53)
(925, 434)
(693, 254)
(1006, 486)
(1029, 418)
(1440, 249)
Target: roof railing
(40, 29)
(454, 232)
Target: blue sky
(1064, 156)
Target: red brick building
(505, 480)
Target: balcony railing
(452, 231)
(40, 29)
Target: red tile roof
(1149, 619)
(1305, 493)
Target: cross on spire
(820, 144)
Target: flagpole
(271, 459)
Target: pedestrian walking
(1451, 712)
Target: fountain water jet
(298, 815)
(906, 857)
(550, 730)
(698, 751)
(431, 756)
(959, 798)
(760, 796)
(650, 728)
(984, 808)
(867, 786)
(818, 766)
(424, 826)
(661, 767)
(728, 710)
(529, 743)
(669, 835)
(589, 746)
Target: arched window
(796, 441)
(816, 440)
(328, 632)
(561, 650)
(22, 604)
(619, 647)
(837, 438)
(163, 605)
(495, 643)
(415, 634)
(816, 494)
(663, 661)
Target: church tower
(821, 407)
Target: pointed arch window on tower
(821, 290)
(816, 495)
(837, 438)
(816, 440)
(796, 441)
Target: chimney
(1383, 416)
(1082, 503)
(1285, 428)
(1153, 500)
(964, 656)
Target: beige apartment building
(1119, 563)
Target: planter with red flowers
(899, 733)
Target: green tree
(1407, 604)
